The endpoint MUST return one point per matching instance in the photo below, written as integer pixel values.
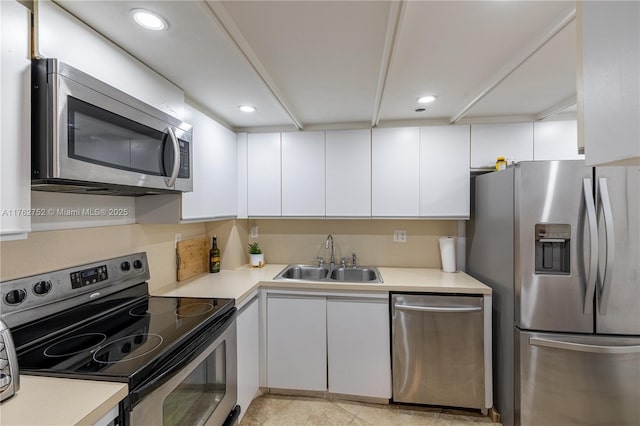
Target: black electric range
(98, 322)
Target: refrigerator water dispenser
(553, 248)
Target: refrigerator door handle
(580, 347)
(593, 240)
(607, 274)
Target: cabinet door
(263, 181)
(296, 342)
(489, 141)
(358, 346)
(555, 140)
(15, 162)
(395, 167)
(214, 169)
(444, 171)
(610, 51)
(348, 173)
(303, 174)
(248, 354)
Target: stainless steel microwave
(89, 137)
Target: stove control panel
(89, 276)
(21, 296)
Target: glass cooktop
(126, 342)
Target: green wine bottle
(214, 256)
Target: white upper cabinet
(263, 179)
(555, 140)
(15, 114)
(513, 141)
(214, 169)
(348, 173)
(214, 194)
(395, 168)
(444, 171)
(303, 174)
(609, 82)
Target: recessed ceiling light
(247, 108)
(149, 20)
(426, 99)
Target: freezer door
(618, 295)
(577, 380)
(553, 246)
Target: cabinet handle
(437, 308)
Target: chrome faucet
(332, 259)
(353, 260)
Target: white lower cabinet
(248, 332)
(333, 342)
(359, 360)
(296, 342)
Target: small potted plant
(257, 257)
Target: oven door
(204, 392)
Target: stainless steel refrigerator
(559, 243)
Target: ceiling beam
(514, 64)
(396, 11)
(560, 106)
(226, 22)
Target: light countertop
(51, 401)
(238, 284)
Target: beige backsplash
(283, 241)
(300, 241)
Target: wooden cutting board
(192, 257)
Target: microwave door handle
(176, 157)
(607, 274)
(593, 249)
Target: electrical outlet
(177, 238)
(399, 236)
(254, 231)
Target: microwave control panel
(184, 160)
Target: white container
(257, 259)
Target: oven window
(102, 137)
(195, 399)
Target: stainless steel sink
(355, 274)
(369, 274)
(304, 272)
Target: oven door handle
(182, 358)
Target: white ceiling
(333, 64)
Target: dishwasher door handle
(455, 309)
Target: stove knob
(42, 287)
(125, 266)
(15, 297)
(137, 264)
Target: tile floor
(279, 410)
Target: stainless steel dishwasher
(437, 349)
